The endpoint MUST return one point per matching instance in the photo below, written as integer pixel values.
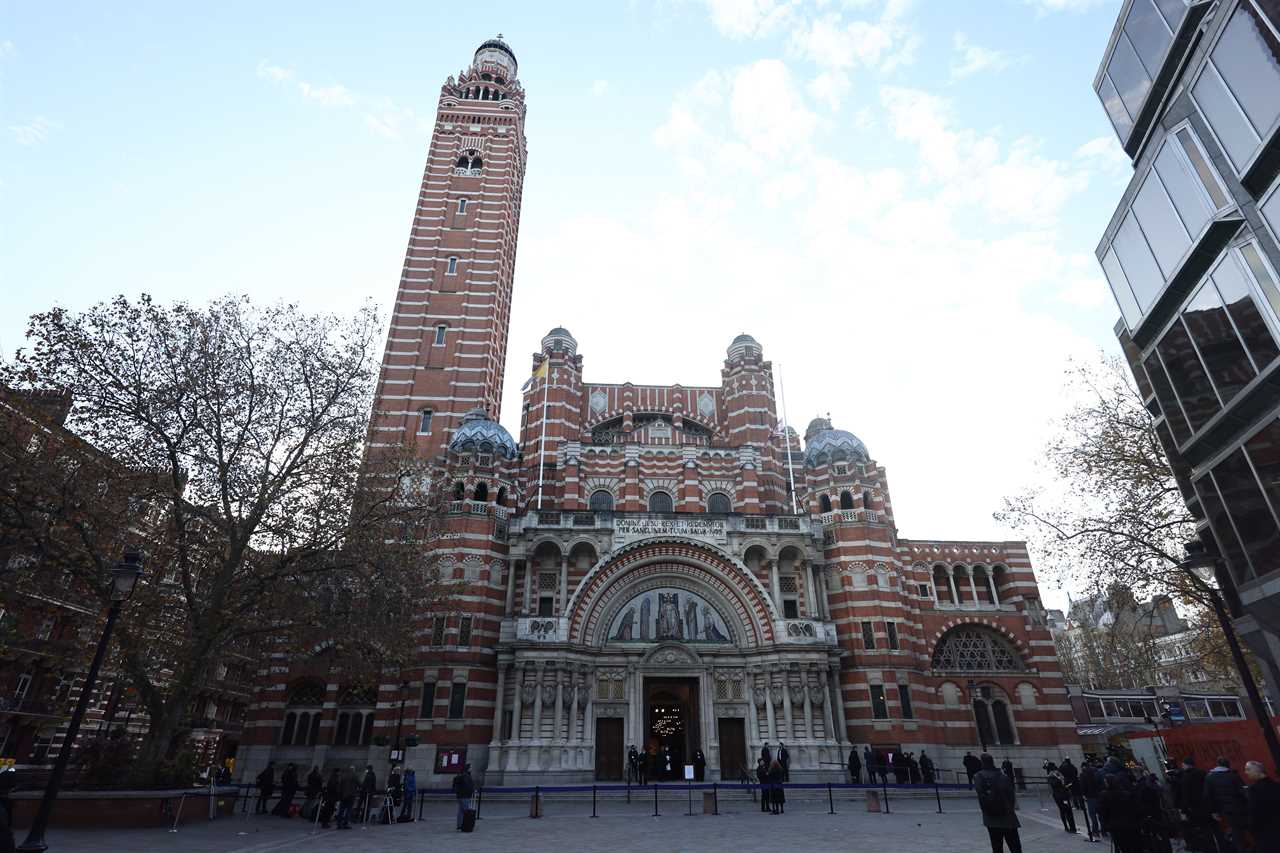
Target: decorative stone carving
(817, 695)
(549, 694)
(528, 692)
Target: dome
(560, 340)
(824, 444)
(497, 50)
(480, 434)
(743, 345)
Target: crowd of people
(1212, 812)
(344, 796)
(905, 768)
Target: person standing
(1091, 790)
(926, 768)
(1225, 797)
(368, 786)
(766, 754)
(288, 790)
(410, 792)
(868, 761)
(633, 764)
(855, 767)
(463, 789)
(348, 788)
(1071, 775)
(1061, 798)
(642, 767)
(315, 787)
(777, 794)
(393, 792)
(1191, 801)
(1264, 807)
(266, 787)
(1121, 814)
(996, 799)
(784, 760)
(762, 776)
(972, 765)
(1006, 767)
(699, 766)
(332, 795)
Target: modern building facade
(1191, 254)
(664, 566)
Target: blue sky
(898, 199)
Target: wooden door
(609, 755)
(733, 748)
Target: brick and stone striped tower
(447, 345)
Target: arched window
(719, 503)
(501, 499)
(660, 502)
(1004, 724)
(982, 714)
(340, 733)
(866, 500)
(601, 501)
(476, 164)
(970, 648)
(286, 734)
(463, 162)
(313, 737)
(367, 736)
(824, 503)
(459, 491)
(846, 500)
(481, 492)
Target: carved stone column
(774, 586)
(810, 591)
(499, 701)
(572, 734)
(564, 584)
(786, 703)
(557, 679)
(770, 719)
(753, 716)
(537, 700)
(827, 722)
(973, 588)
(528, 586)
(839, 703)
(511, 588)
(808, 705)
(951, 581)
(991, 585)
(516, 703)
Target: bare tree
(229, 443)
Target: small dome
(825, 444)
(743, 345)
(560, 340)
(492, 48)
(480, 434)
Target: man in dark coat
(633, 764)
(1061, 797)
(1191, 800)
(642, 768)
(332, 794)
(784, 759)
(1264, 807)
(996, 799)
(463, 789)
(901, 770)
(699, 766)
(288, 790)
(1120, 814)
(1224, 796)
(1091, 790)
(1006, 767)
(762, 776)
(855, 767)
(766, 754)
(868, 759)
(315, 786)
(266, 787)
(972, 765)
(926, 768)
(368, 786)
(1071, 775)
(348, 789)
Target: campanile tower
(447, 345)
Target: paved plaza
(621, 828)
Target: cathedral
(661, 566)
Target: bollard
(715, 798)
(535, 804)
(690, 785)
(831, 800)
(655, 800)
(593, 801)
(885, 785)
(479, 797)
(628, 789)
(937, 793)
(422, 801)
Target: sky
(898, 199)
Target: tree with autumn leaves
(228, 443)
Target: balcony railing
(733, 523)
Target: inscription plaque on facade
(709, 530)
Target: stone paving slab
(621, 828)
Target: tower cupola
(559, 340)
(495, 57)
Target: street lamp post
(123, 580)
(973, 703)
(397, 754)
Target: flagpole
(786, 436)
(542, 442)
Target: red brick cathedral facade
(661, 566)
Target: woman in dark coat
(777, 794)
(1121, 814)
(288, 790)
(762, 776)
(332, 793)
(699, 766)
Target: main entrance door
(609, 755)
(672, 725)
(733, 748)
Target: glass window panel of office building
(1136, 58)
(1175, 203)
(1236, 90)
(1222, 339)
(1240, 496)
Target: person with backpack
(1121, 814)
(410, 792)
(464, 787)
(997, 800)
(1091, 790)
(1061, 797)
(1225, 797)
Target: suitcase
(469, 820)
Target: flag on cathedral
(539, 372)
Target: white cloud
(749, 18)
(973, 58)
(767, 112)
(1045, 6)
(335, 95)
(274, 73)
(6, 49)
(600, 88)
(33, 133)
(829, 88)
(1105, 155)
